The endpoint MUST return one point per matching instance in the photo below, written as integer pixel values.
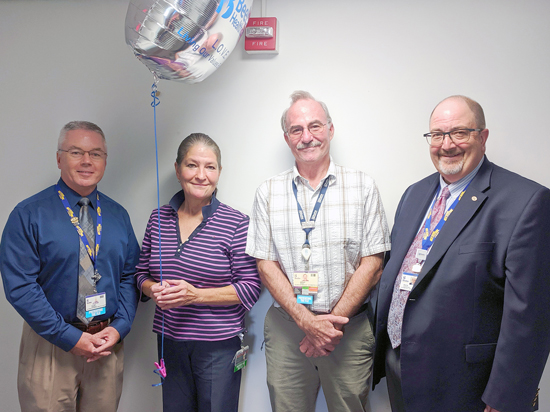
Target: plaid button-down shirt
(351, 224)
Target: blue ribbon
(160, 367)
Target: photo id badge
(95, 304)
(305, 283)
(240, 358)
(407, 281)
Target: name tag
(407, 281)
(96, 304)
(240, 358)
(304, 299)
(305, 283)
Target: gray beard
(451, 169)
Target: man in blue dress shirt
(71, 353)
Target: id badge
(305, 283)
(407, 281)
(304, 299)
(96, 304)
(241, 358)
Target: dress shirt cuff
(122, 327)
(69, 338)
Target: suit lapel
(471, 201)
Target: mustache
(313, 143)
(453, 152)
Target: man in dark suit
(462, 322)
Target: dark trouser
(199, 376)
(393, 378)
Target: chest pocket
(480, 247)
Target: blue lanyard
(429, 238)
(309, 226)
(74, 221)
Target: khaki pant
(294, 379)
(52, 380)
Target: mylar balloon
(185, 40)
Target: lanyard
(429, 238)
(309, 226)
(74, 221)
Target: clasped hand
(323, 333)
(173, 293)
(94, 347)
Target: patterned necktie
(399, 297)
(86, 284)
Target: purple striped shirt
(212, 257)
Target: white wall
(381, 66)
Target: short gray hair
(302, 95)
(79, 125)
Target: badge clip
(306, 251)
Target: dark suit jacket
(476, 327)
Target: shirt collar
(207, 210)
(459, 186)
(331, 173)
(73, 197)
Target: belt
(94, 326)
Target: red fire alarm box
(261, 35)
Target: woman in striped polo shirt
(209, 283)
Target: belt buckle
(99, 325)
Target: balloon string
(160, 367)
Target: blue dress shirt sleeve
(20, 265)
(128, 293)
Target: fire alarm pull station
(261, 35)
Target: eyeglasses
(77, 154)
(316, 129)
(457, 136)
